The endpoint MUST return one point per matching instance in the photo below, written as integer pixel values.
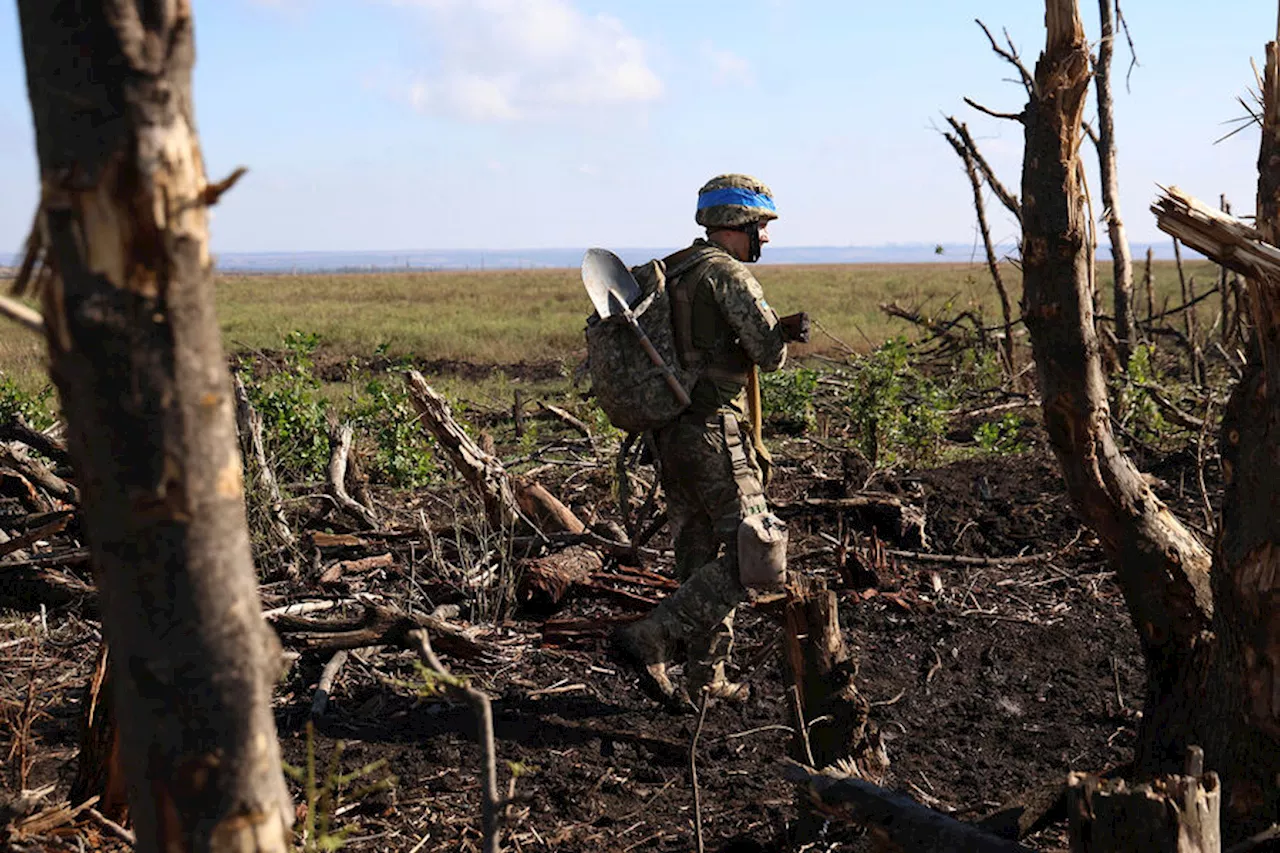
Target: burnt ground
(986, 680)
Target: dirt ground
(986, 680)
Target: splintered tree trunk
(832, 717)
(1162, 568)
(135, 352)
(1213, 662)
(1122, 259)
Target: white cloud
(513, 59)
(727, 68)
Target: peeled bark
(1162, 568)
(1121, 258)
(137, 358)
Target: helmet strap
(752, 230)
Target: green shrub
(402, 452)
(36, 409)
(895, 412)
(787, 398)
(1134, 406)
(295, 426)
(1002, 436)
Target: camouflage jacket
(732, 328)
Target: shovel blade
(604, 275)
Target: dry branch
(17, 429)
(907, 824)
(491, 802)
(336, 486)
(16, 459)
(1219, 236)
(249, 425)
(482, 471)
(378, 626)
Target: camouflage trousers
(712, 481)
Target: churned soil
(986, 679)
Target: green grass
(510, 316)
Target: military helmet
(731, 201)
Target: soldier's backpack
(630, 389)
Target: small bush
(402, 452)
(36, 409)
(295, 427)
(1001, 437)
(787, 398)
(895, 412)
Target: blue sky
(500, 124)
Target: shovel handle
(667, 373)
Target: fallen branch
(17, 429)
(567, 418)
(377, 626)
(887, 513)
(482, 471)
(907, 824)
(491, 803)
(16, 459)
(329, 675)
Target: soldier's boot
(646, 646)
(705, 671)
(700, 611)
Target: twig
(111, 826)
(1018, 117)
(491, 803)
(693, 771)
(1209, 520)
(1010, 55)
(569, 419)
(330, 674)
(821, 328)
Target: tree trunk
(1121, 259)
(1213, 661)
(1162, 568)
(135, 352)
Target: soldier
(709, 460)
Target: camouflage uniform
(710, 474)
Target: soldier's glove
(795, 327)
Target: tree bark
(1162, 568)
(1121, 259)
(137, 358)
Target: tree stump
(1170, 814)
(831, 717)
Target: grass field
(512, 316)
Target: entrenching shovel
(613, 289)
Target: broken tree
(120, 255)
(1212, 647)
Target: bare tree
(1121, 259)
(1212, 647)
(120, 254)
(969, 158)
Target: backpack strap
(682, 294)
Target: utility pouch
(762, 551)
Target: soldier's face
(764, 233)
